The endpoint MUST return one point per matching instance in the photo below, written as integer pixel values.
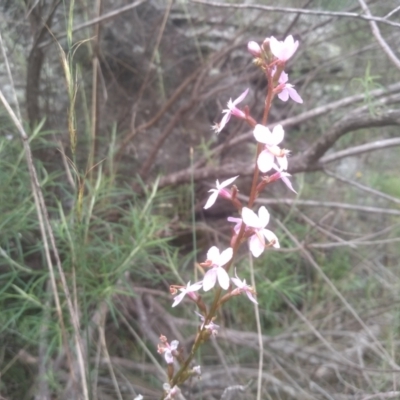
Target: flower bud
(254, 48)
(265, 45)
(268, 56)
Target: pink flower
(169, 350)
(258, 223)
(188, 290)
(220, 190)
(231, 110)
(283, 50)
(242, 286)
(271, 151)
(254, 48)
(211, 327)
(171, 392)
(287, 90)
(216, 261)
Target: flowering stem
(182, 375)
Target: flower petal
(283, 162)
(237, 282)
(271, 237)
(238, 222)
(212, 199)
(284, 95)
(174, 344)
(286, 181)
(225, 120)
(283, 50)
(225, 256)
(262, 134)
(196, 286)
(223, 278)
(265, 161)
(275, 46)
(277, 134)
(263, 216)
(213, 254)
(255, 245)
(251, 297)
(241, 97)
(178, 298)
(227, 182)
(169, 358)
(209, 279)
(250, 218)
(290, 47)
(284, 77)
(294, 95)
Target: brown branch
(35, 61)
(364, 148)
(308, 160)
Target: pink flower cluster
(274, 54)
(282, 51)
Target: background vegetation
(117, 99)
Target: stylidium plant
(270, 165)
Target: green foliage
(117, 235)
(367, 84)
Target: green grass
(116, 232)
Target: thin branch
(288, 10)
(377, 33)
(363, 187)
(328, 204)
(312, 158)
(352, 243)
(387, 395)
(363, 148)
(394, 11)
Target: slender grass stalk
(192, 198)
(259, 332)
